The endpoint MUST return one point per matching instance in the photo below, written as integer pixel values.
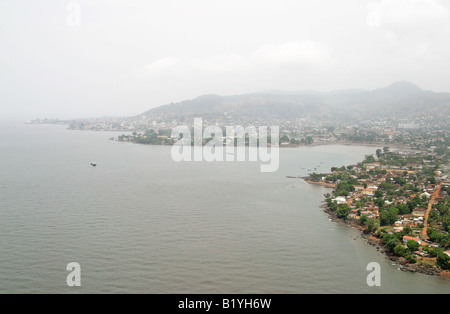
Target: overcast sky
(85, 58)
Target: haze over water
(142, 223)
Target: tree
(378, 152)
(443, 208)
(392, 244)
(343, 188)
(363, 219)
(284, 138)
(407, 230)
(399, 180)
(379, 202)
(411, 258)
(403, 209)
(399, 250)
(413, 245)
(369, 159)
(390, 240)
(343, 211)
(371, 224)
(443, 261)
(388, 216)
(434, 234)
(432, 180)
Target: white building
(340, 200)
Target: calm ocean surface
(142, 223)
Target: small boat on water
(93, 164)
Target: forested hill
(401, 99)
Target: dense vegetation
(393, 195)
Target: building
(419, 212)
(374, 165)
(340, 200)
(353, 213)
(426, 194)
(368, 192)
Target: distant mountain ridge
(401, 99)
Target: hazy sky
(83, 58)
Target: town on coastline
(417, 133)
(400, 201)
(398, 198)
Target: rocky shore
(372, 240)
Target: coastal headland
(400, 203)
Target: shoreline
(319, 143)
(390, 145)
(372, 240)
(395, 146)
(324, 184)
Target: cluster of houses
(419, 252)
(367, 189)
